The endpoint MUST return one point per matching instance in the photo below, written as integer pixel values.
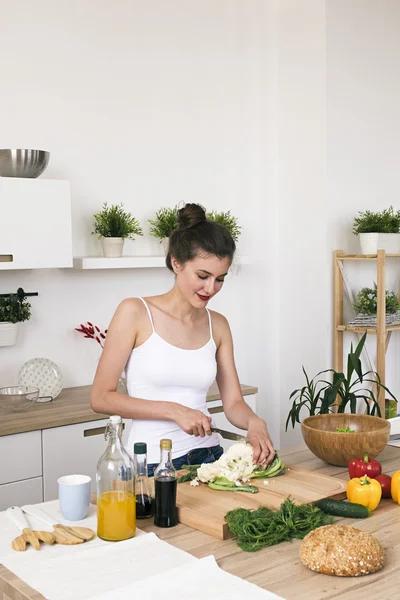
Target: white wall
(284, 112)
(363, 134)
(304, 267)
(145, 103)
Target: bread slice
(341, 550)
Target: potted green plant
(366, 301)
(227, 220)
(378, 230)
(164, 222)
(319, 395)
(13, 311)
(113, 225)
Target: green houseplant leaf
(115, 222)
(385, 221)
(14, 310)
(164, 222)
(319, 395)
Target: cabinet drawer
(73, 449)
(20, 456)
(29, 491)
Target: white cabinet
(29, 491)
(219, 419)
(20, 456)
(35, 229)
(72, 449)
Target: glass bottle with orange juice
(116, 505)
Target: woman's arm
(120, 340)
(235, 408)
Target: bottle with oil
(165, 482)
(144, 506)
(116, 507)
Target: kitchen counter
(278, 568)
(70, 407)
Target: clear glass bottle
(165, 482)
(116, 507)
(144, 506)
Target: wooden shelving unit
(382, 332)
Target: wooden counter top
(278, 568)
(70, 407)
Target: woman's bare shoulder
(130, 308)
(219, 322)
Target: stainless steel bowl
(23, 163)
(18, 397)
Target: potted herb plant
(318, 395)
(164, 222)
(378, 230)
(366, 301)
(227, 220)
(13, 310)
(113, 225)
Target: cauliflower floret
(194, 482)
(236, 464)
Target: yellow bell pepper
(365, 491)
(395, 487)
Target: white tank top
(157, 370)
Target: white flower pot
(165, 245)
(112, 247)
(8, 333)
(372, 242)
(389, 242)
(369, 243)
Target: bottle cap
(165, 444)
(140, 448)
(115, 419)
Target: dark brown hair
(195, 234)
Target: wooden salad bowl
(369, 434)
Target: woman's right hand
(193, 422)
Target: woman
(172, 348)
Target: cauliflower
(236, 465)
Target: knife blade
(229, 435)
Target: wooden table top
(278, 568)
(70, 407)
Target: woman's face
(201, 278)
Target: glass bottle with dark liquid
(144, 507)
(165, 482)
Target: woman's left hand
(258, 436)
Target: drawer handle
(97, 431)
(216, 409)
(6, 258)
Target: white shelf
(130, 262)
(394, 425)
(125, 262)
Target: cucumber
(340, 508)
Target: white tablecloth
(117, 570)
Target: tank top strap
(148, 312)
(210, 323)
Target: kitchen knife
(229, 435)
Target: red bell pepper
(362, 466)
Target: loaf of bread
(341, 550)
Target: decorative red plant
(93, 332)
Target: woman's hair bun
(191, 215)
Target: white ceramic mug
(74, 496)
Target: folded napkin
(8, 532)
(194, 581)
(89, 570)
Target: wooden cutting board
(202, 508)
